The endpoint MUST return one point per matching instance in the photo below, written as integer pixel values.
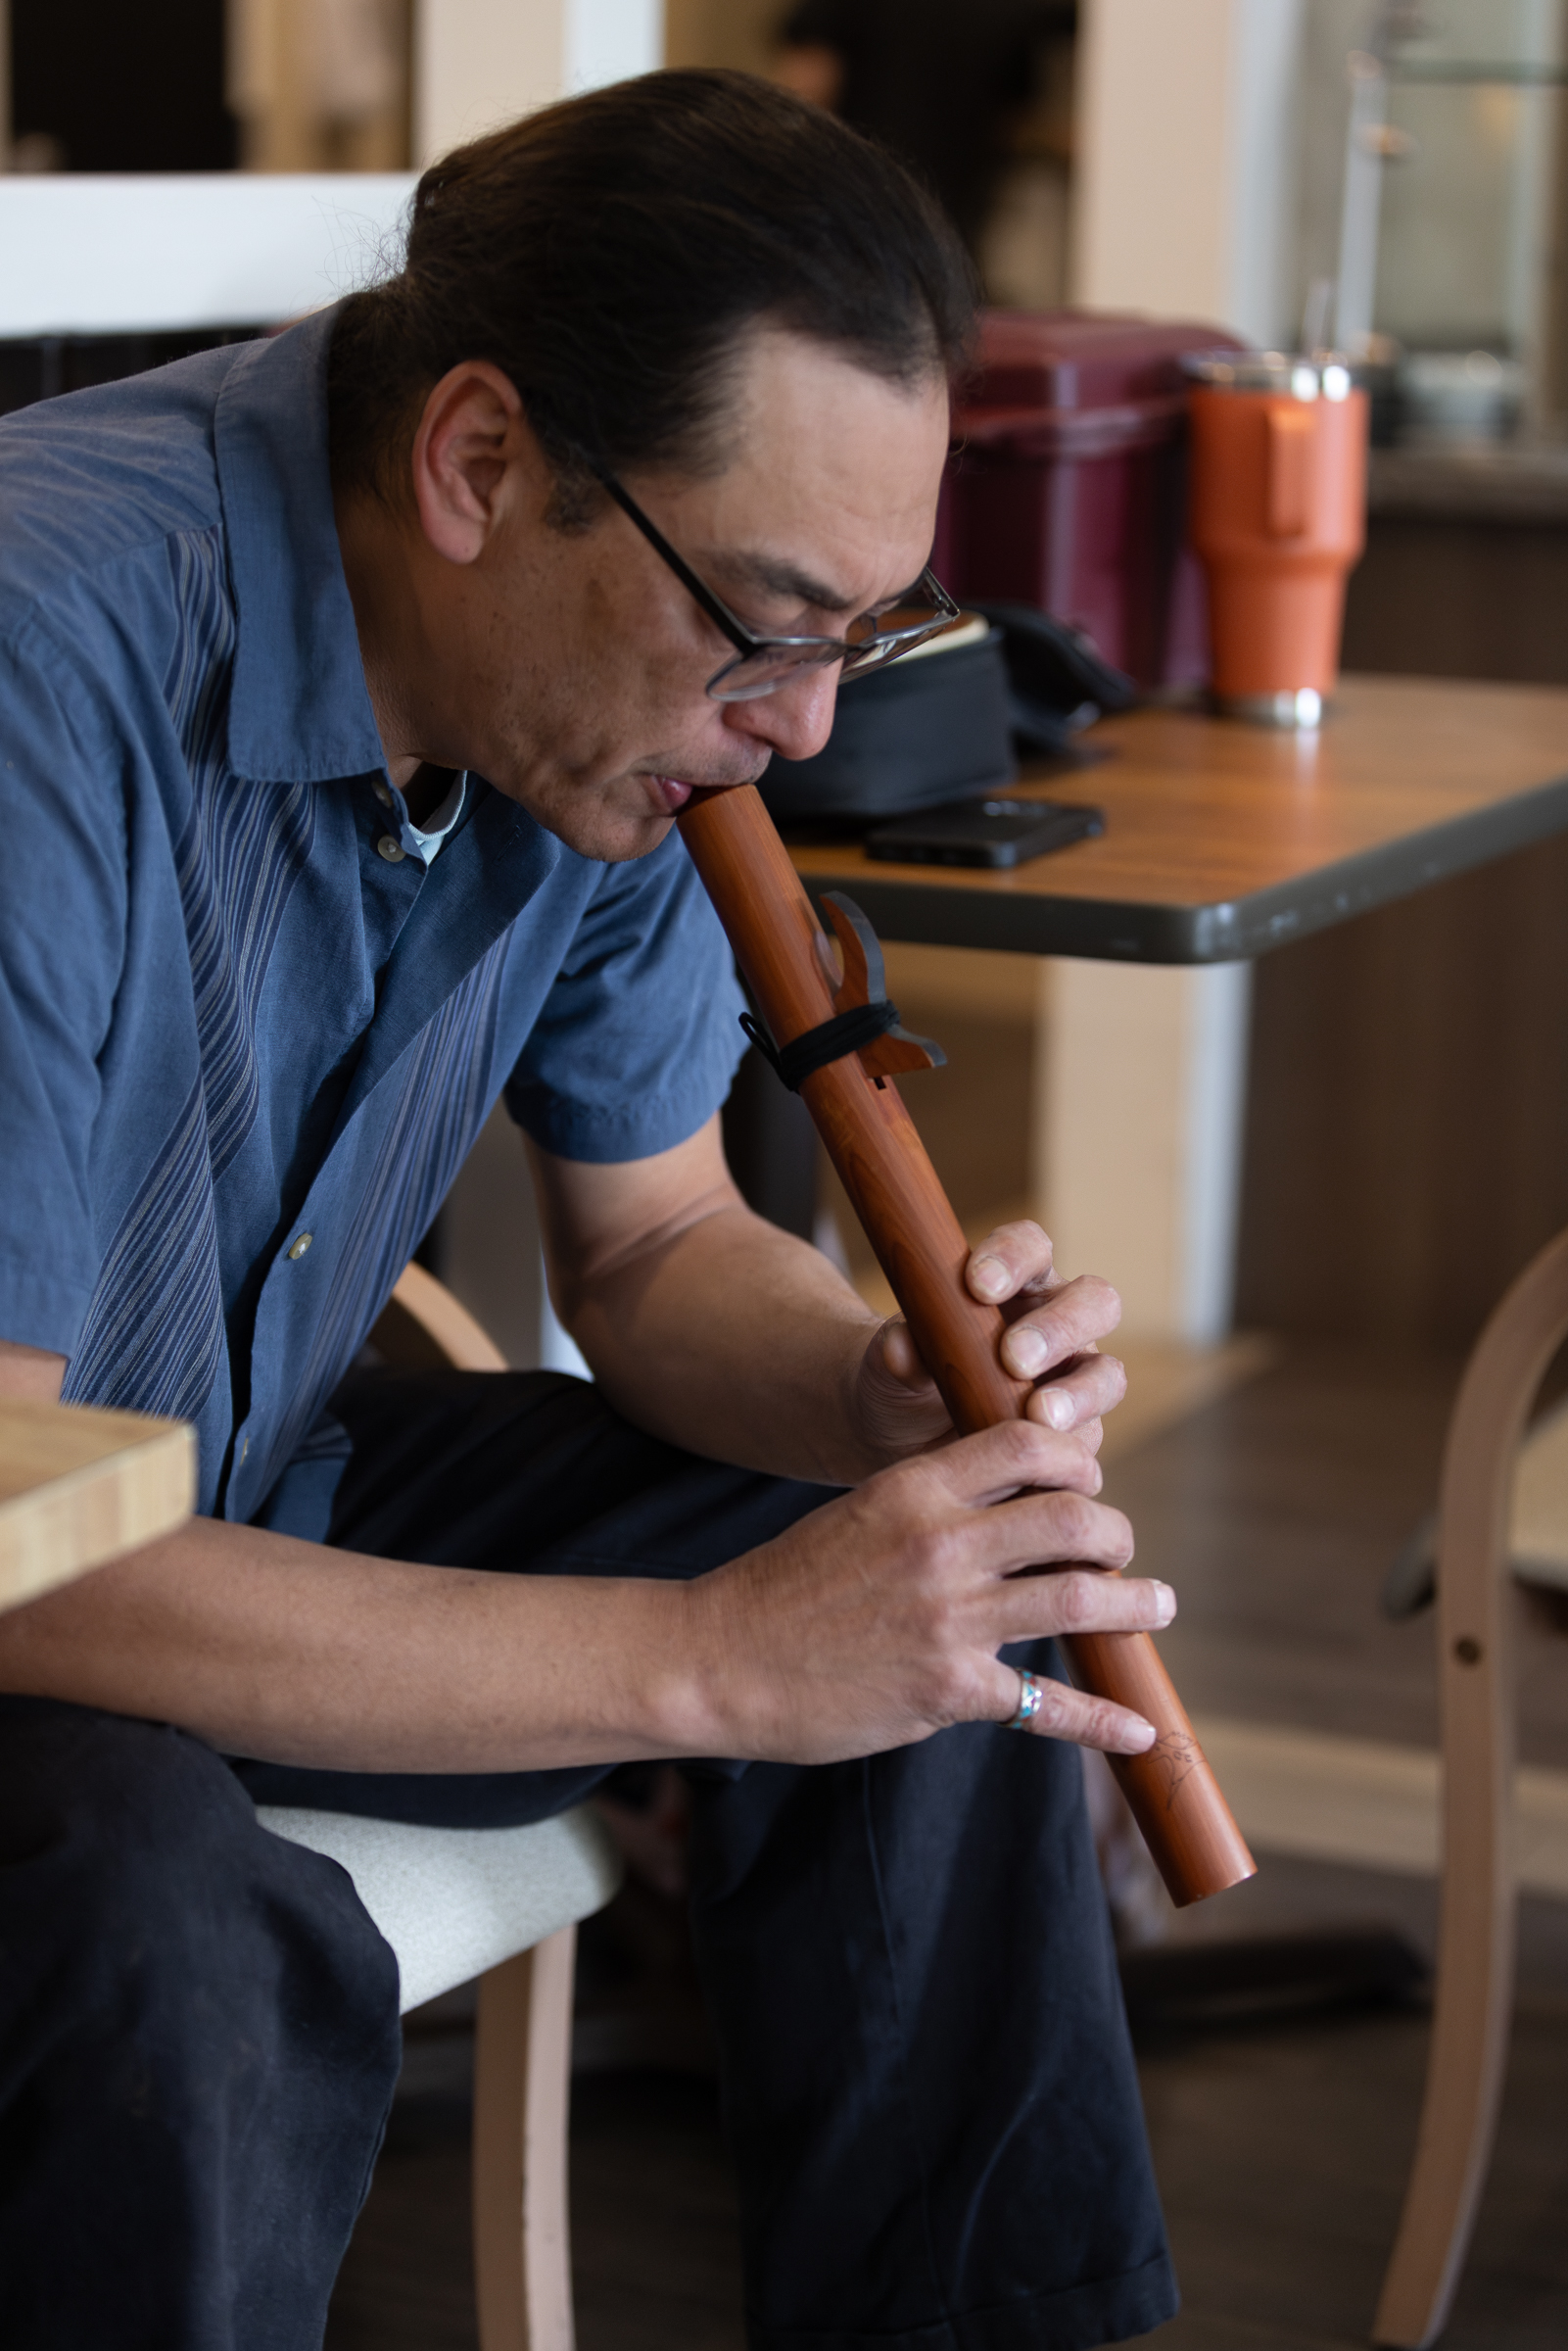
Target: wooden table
(77, 1487)
(1222, 840)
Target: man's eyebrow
(776, 576)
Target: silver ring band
(1031, 1695)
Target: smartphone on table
(994, 831)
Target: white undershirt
(428, 838)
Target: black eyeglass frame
(874, 652)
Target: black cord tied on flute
(830, 1040)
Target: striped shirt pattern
(243, 1051)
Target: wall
(319, 88)
(479, 62)
(721, 33)
(1186, 179)
(1407, 1129)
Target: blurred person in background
(947, 94)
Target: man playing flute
(346, 715)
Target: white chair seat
(453, 1903)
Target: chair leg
(1474, 1997)
(522, 2069)
(1475, 1675)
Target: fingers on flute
(992, 1466)
(1012, 1259)
(1066, 1713)
(1074, 1599)
(1055, 1330)
(1079, 1394)
(1013, 1268)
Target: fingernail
(1165, 1603)
(1142, 1743)
(1057, 1407)
(988, 1273)
(1025, 1352)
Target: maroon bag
(1068, 483)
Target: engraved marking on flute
(1179, 1753)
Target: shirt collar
(299, 707)
(428, 838)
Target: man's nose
(797, 721)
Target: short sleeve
(638, 1041)
(63, 921)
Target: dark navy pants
(927, 2084)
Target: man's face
(573, 667)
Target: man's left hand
(1054, 1327)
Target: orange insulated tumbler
(1278, 519)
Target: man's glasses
(762, 664)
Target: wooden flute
(794, 983)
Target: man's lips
(673, 794)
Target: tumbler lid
(1314, 376)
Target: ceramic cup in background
(1278, 492)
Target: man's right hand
(876, 1621)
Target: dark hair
(609, 252)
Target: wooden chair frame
(523, 2042)
(1477, 1609)
(522, 2094)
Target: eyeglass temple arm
(714, 606)
(717, 610)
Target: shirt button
(387, 847)
(302, 1244)
(383, 795)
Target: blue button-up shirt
(227, 1018)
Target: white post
(1182, 208)
(1185, 174)
(1145, 1076)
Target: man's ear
(471, 435)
